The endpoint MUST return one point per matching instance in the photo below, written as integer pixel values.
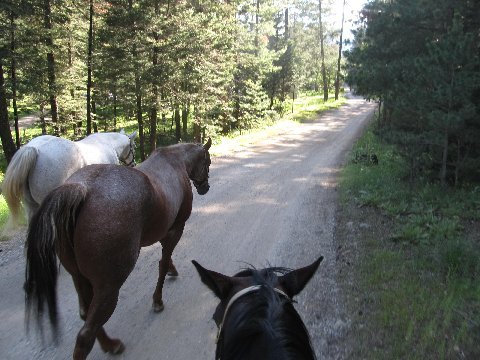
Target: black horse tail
(51, 229)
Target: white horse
(47, 161)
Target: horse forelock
(266, 322)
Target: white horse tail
(15, 181)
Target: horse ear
(208, 144)
(220, 284)
(122, 131)
(294, 281)
(132, 135)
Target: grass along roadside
(305, 107)
(415, 290)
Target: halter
(130, 152)
(238, 295)
(198, 183)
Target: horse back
(121, 211)
(97, 153)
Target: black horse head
(256, 318)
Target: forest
(421, 61)
(416, 275)
(180, 69)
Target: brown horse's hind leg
(172, 270)
(101, 308)
(84, 292)
(109, 345)
(166, 264)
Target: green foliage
(306, 107)
(418, 314)
(4, 212)
(422, 281)
(224, 66)
(425, 71)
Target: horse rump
(51, 228)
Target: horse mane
(269, 321)
(173, 149)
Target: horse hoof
(173, 272)
(158, 307)
(118, 349)
(115, 347)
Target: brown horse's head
(199, 173)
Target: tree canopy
(421, 61)
(180, 69)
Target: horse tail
(51, 229)
(15, 181)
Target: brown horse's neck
(178, 155)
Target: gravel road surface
(272, 202)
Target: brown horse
(256, 318)
(97, 222)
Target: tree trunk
(322, 53)
(153, 128)
(273, 88)
(197, 136)
(138, 95)
(185, 112)
(153, 110)
(5, 134)
(89, 70)
(293, 96)
(43, 124)
(52, 82)
(443, 169)
(94, 116)
(458, 163)
(287, 33)
(14, 78)
(178, 128)
(257, 30)
(337, 80)
(114, 107)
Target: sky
(352, 7)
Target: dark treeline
(180, 68)
(421, 61)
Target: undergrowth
(4, 212)
(422, 282)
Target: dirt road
(269, 203)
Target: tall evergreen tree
(51, 76)
(421, 61)
(321, 34)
